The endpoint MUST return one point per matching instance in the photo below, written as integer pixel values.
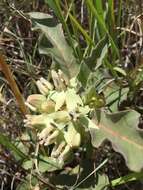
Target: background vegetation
(100, 44)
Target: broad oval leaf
(121, 129)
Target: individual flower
(37, 121)
(72, 136)
(44, 86)
(35, 101)
(61, 151)
(48, 135)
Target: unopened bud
(46, 83)
(58, 82)
(72, 137)
(63, 156)
(48, 106)
(38, 121)
(58, 149)
(35, 101)
(42, 88)
(43, 135)
(52, 138)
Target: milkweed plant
(60, 115)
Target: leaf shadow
(68, 180)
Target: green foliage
(78, 107)
(65, 114)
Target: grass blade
(5, 141)
(80, 28)
(103, 25)
(100, 11)
(111, 18)
(94, 171)
(127, 178)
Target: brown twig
(9, 76)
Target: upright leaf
(53, 42)
(55, 6)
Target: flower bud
(64, 154)
(38, 121)
(42, 87)
(46, 83)
(58, 149)
(48, 106)
(43, 135)
(60, 117)
(63, 77)
(72, 136)
(51, 138)
(35, 101)
(58, 81)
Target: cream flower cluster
(57, 114)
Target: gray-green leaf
(53, 42)
(122, 130)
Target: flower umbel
(56, 115)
